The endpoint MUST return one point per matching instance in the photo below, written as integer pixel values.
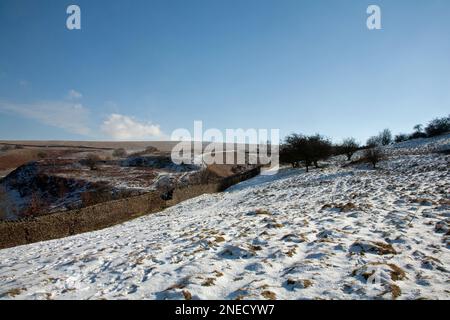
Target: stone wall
(103, 215)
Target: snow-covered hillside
(334, 233)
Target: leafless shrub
(373, 156)
(92, 161)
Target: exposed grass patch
(291, 237)
(187, 295)
(299, 283)
(423, 201)
(397, 273)
(274, 225)
(254, 248)
(218, 273)
(262, 212)
(291, 252)
(376, 247)
(269, 295)
(366, 271)
(219, 239)
(395, 291)
(347, 207)
(13, 292)
(180, 285)
(208, 282)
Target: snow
(335, 233)
(421, 145)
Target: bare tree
(293, 150)
(418, 132)
(385, 137)
(348, 147)
(438, 126)
(307, 150)
(418, 128)
(320, 148)
(373, 142)
(287, 154)
(373, 156)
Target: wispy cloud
(24, 83)
(73, 117)
(73, 95)
(70, 116)
(121, 127)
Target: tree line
(299, 149)
(434, 128)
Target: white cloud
(121, 127)
(70, 116)
(73, 94)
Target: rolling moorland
(46, 177)
(344, 231)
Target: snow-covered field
(334, 233)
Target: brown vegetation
(36, 206)
(119, 153)
(269, 295)
(376, 247)
(347, 207)
(16, 157)
(92, 161)
(395, 291)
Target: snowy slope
(295, 235)
(422, 145)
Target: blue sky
(143, 68)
